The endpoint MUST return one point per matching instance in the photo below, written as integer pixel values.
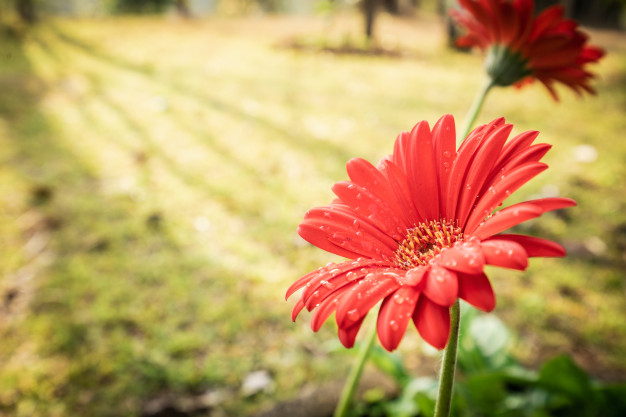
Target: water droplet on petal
(468, 187)
(447, 154)
(398, 299)
(328, 285)
(354, 315)
(394, 325)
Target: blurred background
(157, 156)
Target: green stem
(355, 375)
(446, 379)
(475, 109)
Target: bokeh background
(157, 156)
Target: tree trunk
(369, 9)
(26, 10)
(182, 7)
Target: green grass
(154, 171)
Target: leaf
(391, 364)
(562, 376)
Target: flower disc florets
(425, 241)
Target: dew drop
(398, 299)
(351, 186)
(394, 325)
(351, 276)
(354, 315)
(468, 187)
(446, 164)
(447, 154)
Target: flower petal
(535, 246)
(364, 295)
(394, 315)
(506, 218)
(297, 309)
(504, 253)
(465, 257)
(441, 286)
(347, 335)
(477, 290)
(480, 169)
(444, 142)
(501, 190)
(370, 208)
(319, 238)
(433, 322)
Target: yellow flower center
(424, 241)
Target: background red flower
(521, 47)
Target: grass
(154, 171)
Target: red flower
(419, 228)
(521, 47)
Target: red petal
(554, 203)
(535, 246)
(500, 190)
(394, 315)
(370, 208)
(441, 286)
(363, 296)
(400, 187)
(505, 253)
(347, 335)
(432, 322)
(465, 257)
(366, 175)
(516, 145)
(480, 169)
(325, 309)
(297, 309)
(506, 218)
(477, 290)
(444, 141)
(421, 172)
(319, 238)
(415, 277)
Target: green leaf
(561, 375)
(391, 364)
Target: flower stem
(475, 109)
(446, 379)
(355, 375)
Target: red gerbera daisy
(419, 228)
(521, 47)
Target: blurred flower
(419, 228)
(521, 47)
